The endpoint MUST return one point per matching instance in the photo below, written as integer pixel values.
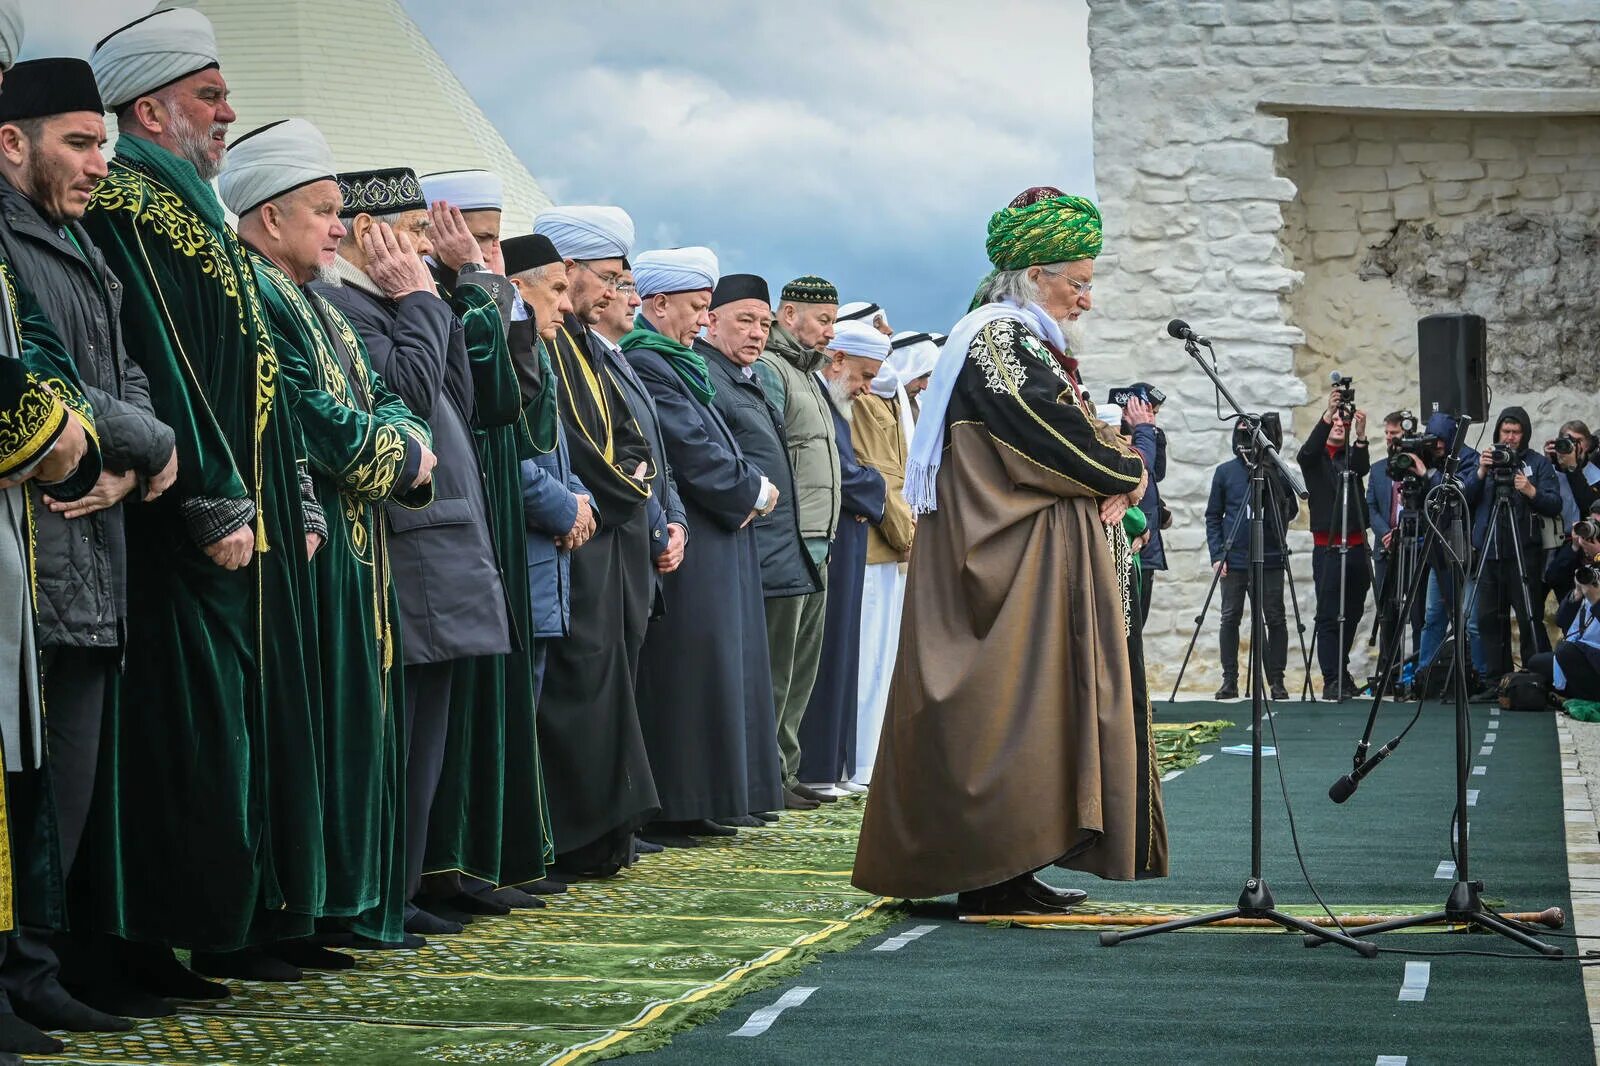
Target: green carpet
(972, 994)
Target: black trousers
(1579, 662)
(75, 685)
(1500, 593)
(427, 722)
(1235, 588)
(1392, 598)
(1333, 648)
(1147, 579)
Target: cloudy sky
(866, 141)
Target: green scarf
(177, 174)
(690, 364)
(539, 416)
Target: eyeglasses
(1081, 288)
(625, 288)
(611, 281)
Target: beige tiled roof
(363, 72)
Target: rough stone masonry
(1301, 180)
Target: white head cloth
(155, 51)
(273, 160)
(887, 381)
(911, 361)
(927, 446)
(10, 32)
(587, 232)
(470, 190)
(859, 339)
(674, 270)
(1108, 413)
(860, 311)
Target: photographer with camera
(1334, 465)
(1578, 478)
(1392, 491)
(1573, 669)
(1441, 577)
(1228, 538)
(1510, 486)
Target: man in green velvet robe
(208, 826)
(489, 819)
(364, 446)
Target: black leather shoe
(1279, 693)
(1067, 897)
(1016, 896)
(1229, 689)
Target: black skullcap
(528, 253)
(740, 287)
(43, 87)
(380, 192)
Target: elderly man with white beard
(828, 731)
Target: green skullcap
(809, 289)
(1043, 225)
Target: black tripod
(1255, 901)
(1342, 532)
(1504, 485)
(1394, 618)
(1275, 509)
(1447, 531)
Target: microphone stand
(1464, 906)
(1255, 901)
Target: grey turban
(270, 161)
(152, 53)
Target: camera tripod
(1390, 627)
(1255, 900)
(1279, 528)
(1447, 533)
(1346, 476)
(1504, 487)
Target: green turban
(1043, 225)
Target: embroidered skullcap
(150, 53)
(380, 192)
(42, 87)
(671, 270)
(809, 289)
(526, 253)
(734, 287)
(587, 232)
(1043, 225)
(469, 190)
(913, 355)
(271, 160)
(858, 338)
(10, 32)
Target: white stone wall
(1230, 202)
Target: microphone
(1345, 787)
(1179, 329)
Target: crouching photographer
(1573, 669)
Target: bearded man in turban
(1011, 740)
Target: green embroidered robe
(39, 391)
(208, 814)
(489, 816)
(363, 444)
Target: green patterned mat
(609, 968)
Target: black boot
(1279, 693)
(1019, 895)
(1229, 689)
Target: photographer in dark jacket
(1333, 466)
(1573, 669)
(1228, 539)
(1528, 485)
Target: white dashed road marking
(762, 1019)
(895, 943)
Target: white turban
(860, 339)
(151, 53)
(858, 310)
(470, 190)
(886, 383)
(915, 354)
(587, 232)
(10, 32)
(273, 160)
(675, 270)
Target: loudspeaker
(1452, 369)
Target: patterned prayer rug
(609, 968)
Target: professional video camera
(1416, 453)
(1148, 393)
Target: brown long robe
(1011, 740)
